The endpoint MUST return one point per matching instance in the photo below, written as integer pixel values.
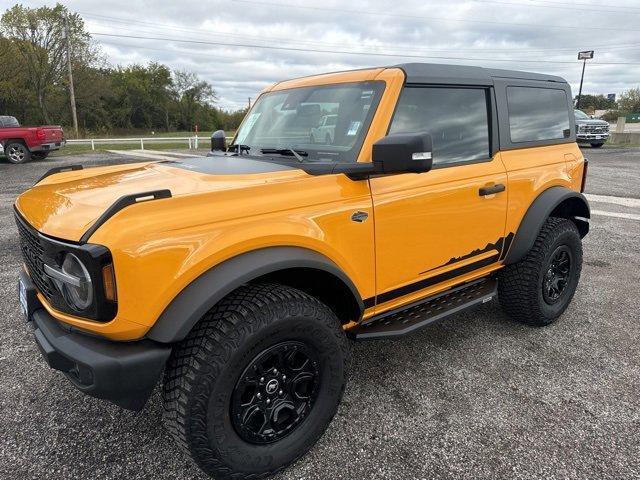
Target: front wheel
(256, 382)
(17, 152)
(538, 289)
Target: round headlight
(80, 294)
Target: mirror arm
(356, 171)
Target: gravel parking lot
(475, 396)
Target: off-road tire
(596, 145)
(204, 368)
(520, 285)
(39, 155)
(17, 152)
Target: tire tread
(201, 356)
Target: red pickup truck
(21, 144)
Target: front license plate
(598, 137)
(22, 293)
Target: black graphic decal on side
(501, 245)
(430, 281)
(507, 243)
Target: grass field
(78, 149)
(203, 143)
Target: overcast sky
(536, 35)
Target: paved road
(475, 396)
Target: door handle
(491, 190)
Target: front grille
(39, 250)
(32, 253)
(594, 128)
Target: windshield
(326, 122)
(580, 114)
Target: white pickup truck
(591, 130)
(324, 132)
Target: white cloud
(489, 31)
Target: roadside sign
(587, 54)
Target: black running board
(424, 312)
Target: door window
(456, 118)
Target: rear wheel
(256, 382)
(17, 152)
(39, 155)
(597, 145)
(539, 288)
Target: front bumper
(592, 137)
(123, 373)
(48, 147)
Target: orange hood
(65, 205)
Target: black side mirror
(218, 141)
(403, 153)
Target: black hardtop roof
(465, 75)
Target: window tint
(456, 118)
(537, 114)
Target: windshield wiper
(239, 148)
(286, 151)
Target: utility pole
(249, 103)
(583, 56)
(72, 93)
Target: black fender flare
(188, 307)
(576, 209)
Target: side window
(537, 114)
(456, 118)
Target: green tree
(630, 101)
(142, 96)
(194, 99)
(595, 102)
(37, 37)
(16, 94)
(231, 120)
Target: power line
(383, 46)
(428, 18)
(571, 7)
(584, 4)
(315, 42)
(345, 52)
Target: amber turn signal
(109, 282)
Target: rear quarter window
(537, 114)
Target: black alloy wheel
(537, 289)
(256, 382)
(558, 274)
(276, 392)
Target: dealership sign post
(584, 56)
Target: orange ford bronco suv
(242, 275)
